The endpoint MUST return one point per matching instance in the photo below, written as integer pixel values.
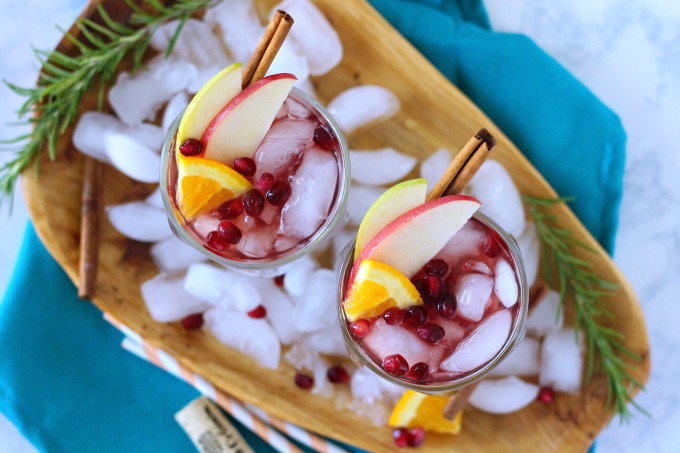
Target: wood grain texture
(434, 114)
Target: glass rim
(335, 215)
(344, 266)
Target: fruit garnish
(376, 288)
(204, 184)
(417, 409)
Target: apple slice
(208, 102)
(238, 129)
(398, 200)
(412, 239)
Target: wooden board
(434, 114)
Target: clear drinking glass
(362, 358)
(269, 265)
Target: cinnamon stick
(267, 48)
(89, 229)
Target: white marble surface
(626, 51)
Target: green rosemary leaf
(175, 36)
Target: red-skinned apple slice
(238, 129)
(412, 239)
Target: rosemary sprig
(64, 80)
(576, 277)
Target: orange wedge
(417, 409)
(204, 184)
(376, 288)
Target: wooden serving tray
(434, 114)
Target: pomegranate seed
(436, 267)
(416, 437)
(433, 287)
(245, 166)
(337, 374)
(431, 332)
(231, 209)
(400, 436)
(278, 193)
(393, 316)
(191, 147)
(304, 381)
(546, 395)
(279, 280)
(419, 371)
(360, 328)
(395, 364)
(193, 322)
(229, 232)
(323, 138)
(258, 312)
(447, 306)
(215, 242)
(253, 202)
(265, 183)
(415, 316)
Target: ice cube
(174, 108)
(522, 361)
(546, 316)
(384, 340)
(322, 386)
(173, 254)
(561, 360)
(88, 133)
(203, 76)
(296, 110)
(155, 199)
(363, 106)
(167, 301)
(481, 345)
(239, 26)
(253, 337)
(222, 288)
(473, 293)
(197, 43)
(505, 284)
(139, 221)
(453, 332)
(280, 311)
(132, 158)
(327, 341)
(315, 36)
(290, 59)
(380, 167)
(530, 247)
(473, 265)
(297, 275)
(360, 199)
(469, 240)
(434, 166)
(205, 224)
(283, 146)
(501, 200)
(503, 396)
(317, 307)
(307, 86)
(369, 387)
(302, 357)
(313, 188)
(150, 135)
(341, 240)
(258, 242)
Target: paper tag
(209, 429)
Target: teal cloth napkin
(69, 387)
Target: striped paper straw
(250, 416)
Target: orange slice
(417, 409)
(377, 287)
(204, 184)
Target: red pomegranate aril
(323, 138)
(447, 306)
(400, 437)
(193, 322)
(245, 166)
(415, 316)
(416, 437)
(395, 364)
(265, 182)
(304, 381)
(432, 287)
(279, 193)
(215, 242)
(253, 202)
(419, 371)
(436, 267)
(258, 312)
(337, 374)
(360, 328)
(546, 395)
(431, 332)
(278, 280)
(229, 232)
(393, 316)
(231, 209)
(191, 147)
